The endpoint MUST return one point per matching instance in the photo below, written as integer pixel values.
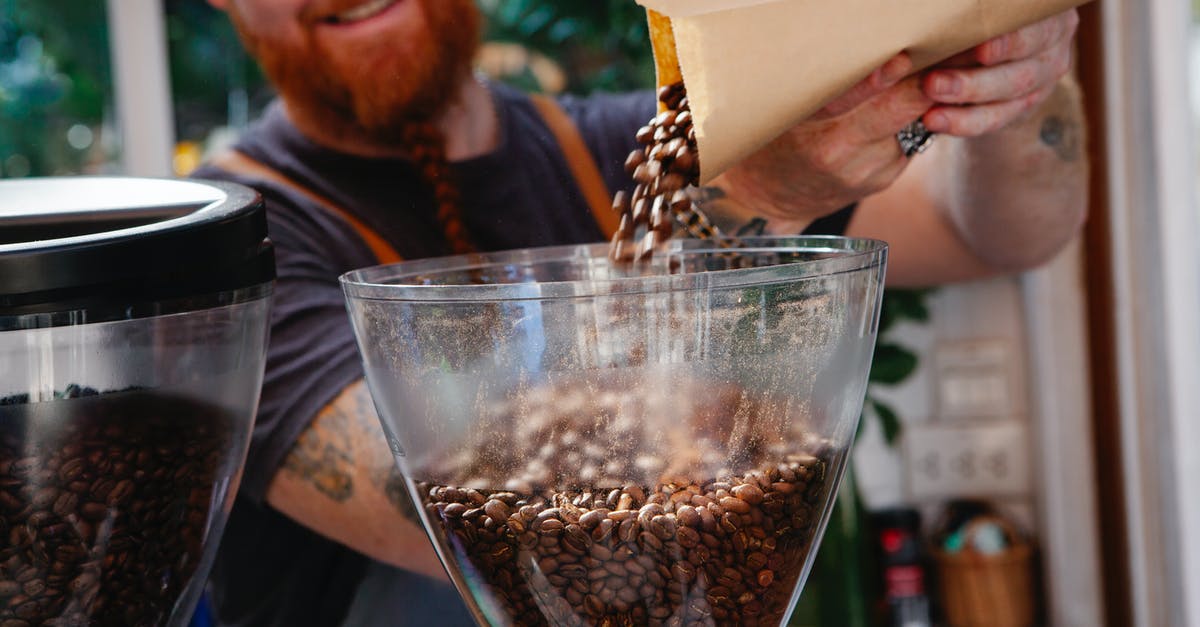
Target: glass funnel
(590, 446)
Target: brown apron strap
(580, 161)
(239, 163)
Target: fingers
(879, 81)
(888, 112)
(977, 120)
(876, 166)
(1028, 41)
(1007, 81)
(1017, 72)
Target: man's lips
(363, 11)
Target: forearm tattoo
(718, 213)
(325, 455)
(1062, 135)
(706, 194)
(322, 456)
(391, 482)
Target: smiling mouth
(361, 12)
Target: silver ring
(914, 138)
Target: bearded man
(383, 144)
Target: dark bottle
(897, 533)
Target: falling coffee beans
(105, 502)
(663, 168)
(561, 543)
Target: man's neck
(469, 124)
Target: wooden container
(980, 590)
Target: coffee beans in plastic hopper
(105, 502)
(569, 540)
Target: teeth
(363, 11)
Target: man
(384, 144)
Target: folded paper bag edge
(684, 8)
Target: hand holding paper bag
(848, 150)
(1001, 79)
(756, 68)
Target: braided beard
(428, 149)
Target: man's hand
(845, 152)
(1002, 80)
(1005, 188)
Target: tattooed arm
(1004, 201)
(1005, 186)
(341, 480)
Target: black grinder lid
(69, 243)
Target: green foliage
(54, 72)
(213, 81)
(601, 44)
(901, 305)
(888, 420)
(893, 363)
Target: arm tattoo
(1062, 135)
(383, 472)
(391, 482)
(706, 194)
(322, 456)
(713, 201)
(345, 441)
(753, 228)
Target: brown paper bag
(755, 68)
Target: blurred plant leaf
(892, 364)
(888, 420)
(600, 44)
(901, 305)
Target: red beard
(376, 100)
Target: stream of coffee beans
(663, 168)
(565, 542)
(105, 503)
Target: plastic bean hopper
(133, 327)
(593, 446)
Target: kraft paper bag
(755, 68)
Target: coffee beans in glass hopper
(564, 542)
(105, 501)
(665, 165)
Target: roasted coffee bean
(749, 492)
(687, 515)
(107, 499)
(688, 537)
(635, 159)
(593, 518)
(645, 135)
(496, 509)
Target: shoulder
(610, 112)
(304, 233)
